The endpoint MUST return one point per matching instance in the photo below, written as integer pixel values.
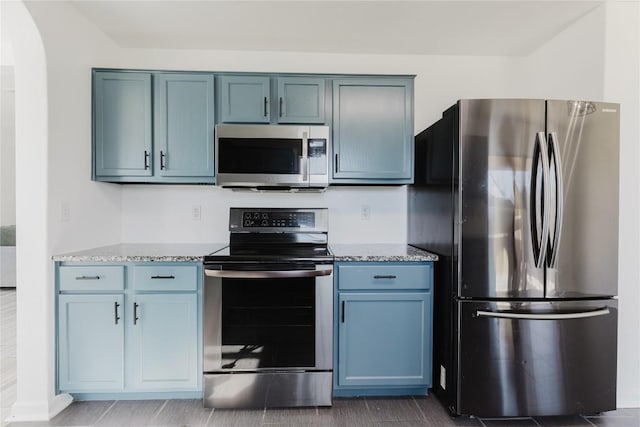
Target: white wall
(73, 45)
(569, 66)
(622, 84)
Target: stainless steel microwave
(272, 156)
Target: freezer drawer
(537, 358)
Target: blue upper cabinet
(373, 130)
(155, 128)
(245, 99)
(158, 127)
(301, 100)
(122, 124)
(184, 121)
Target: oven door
(268, 318)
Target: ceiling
(502, 28)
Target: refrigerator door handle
(551, 316)
(557, 162)
(540, 153)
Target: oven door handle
(275, 274)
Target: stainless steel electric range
(268, 302)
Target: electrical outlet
(65, 211)
(196, 212)
(365, 212)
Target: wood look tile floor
(370, 411)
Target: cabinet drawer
(165, 278)
(91, 278)
(384, 276)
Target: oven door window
(268, 323)
(259, 156)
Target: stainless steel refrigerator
(520, 200)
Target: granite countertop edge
(196, 252)
(144, 252)
(128, 258)
(380, 253)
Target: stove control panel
(278, 220)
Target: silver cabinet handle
(532, 316)
(336, 165)
(280, 109)
(382, 276)
(87, 277)
(557, 162)
(163, 166)
(135, 313)
(265, 106)
(250, 274)
(540, 153)
(115, 309)
(146, 159)
(163, 277)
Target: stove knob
(265, 223)
(247, 223)
(265, 216)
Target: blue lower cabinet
(136, 342)
(163, 341)
(91, 342)
(384, 339)
(383, 328)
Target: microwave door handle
(304, 163)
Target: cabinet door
(373, 130)
(300, 100)
(122, 124)
(245, 99)
(163, 343)
(90, 343)
(184, 120)
(384, 339)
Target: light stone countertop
(143, 252)
(183, 252)
(380, 252)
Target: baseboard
(40, 410)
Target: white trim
(39, 410)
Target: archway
(35, 396)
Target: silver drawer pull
(163, 277)
(88, 278)
(382, 276)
